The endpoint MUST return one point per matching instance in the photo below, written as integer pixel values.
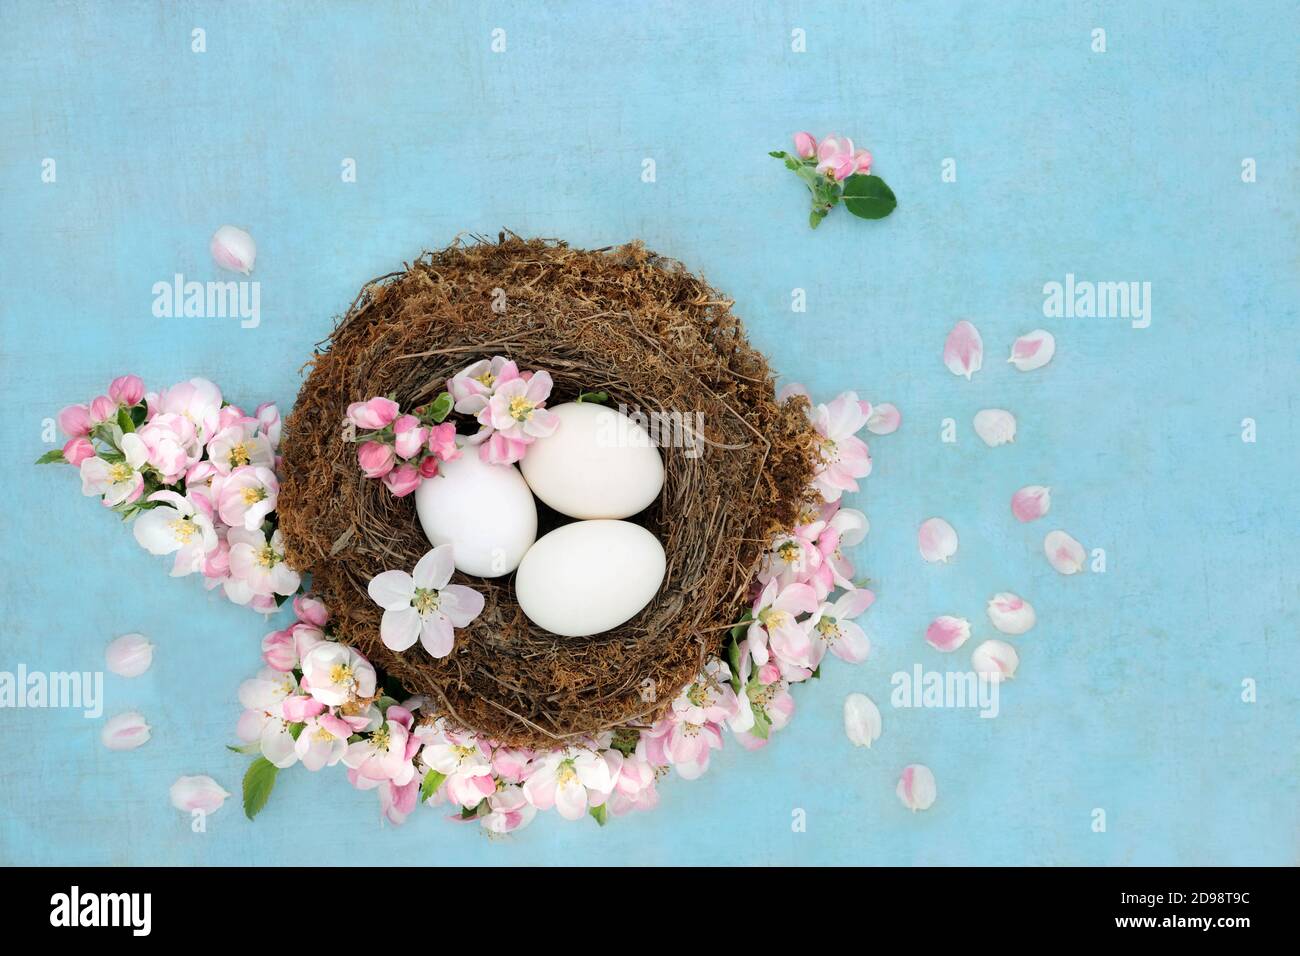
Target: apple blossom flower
(198, 401)
(511, 764)
(514, 417)
(836, 156)
(396, 803)
(335, 674)
(240, 445)
(472, 388)
(126, 390)
(75, 421)
(117, 481)
(831, 628)
(463, 759)
(311, 610)
(247, 496)
(373, 414)
(257, 566)
(388, 753)
(844, 456)
(179, 525)
(423, 604)
(78, 450)
(508, 810)
(805, 145)
(710, 699)
(403, 480)
(173, 444)
(264, 720)
(376, 458)
(572, 780)
(770, 702)
(635, 787)
(322, 741)
(409, 436)
(774, 621)
(684, 746)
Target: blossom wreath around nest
(198, 476)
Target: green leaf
(593, 396)
(738, 631)
(245, 748)
(295, 730)
(441, 407)
(779, 154)
(600, 814)
(430, 784)
(138, 414)
(124, 420)
(868, 197)
(51, 456)
(625, 740)
(384, 703)
(762, 724)
(469, 813)
(258, 783)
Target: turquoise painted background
(1123, 165)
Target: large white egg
(589, 576)
(598, 464)
(486, 513)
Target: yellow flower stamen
(239, 456)
(183, 529)
(521, 408)
(253, 495)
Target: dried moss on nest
(623, 321)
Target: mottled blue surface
(1123, 165)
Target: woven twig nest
(623, 321)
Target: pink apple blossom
(805, 145)
(472, 388)
(844, 456)
(118, 482)
(774, 622)
(257, 566)
(572, 780)
(386, 754)
(376, 458)
(247, 496)
(335, 674)
(831, 628)
(403, 480)
(178, 525)
(463, 760)
(126, 390)
(373, 414)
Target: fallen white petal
(1063, 552)
(197, 793)
(884, 419)
(963, 350)
(129, 656)
(916, 787)
(1010, 613)
(996, 660)
(234, 249)
(125, 731)
(861, 720)
(947, 633)
(1031, 502)
(937, 540)
(996, 426)
(1033, 350)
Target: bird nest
(623, 321)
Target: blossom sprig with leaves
(836, 173)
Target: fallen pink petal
(995, 426)
(1031, 502)
(1010, 613)
(963, 350)
(884, 419)
(937, 540)
(995, 660)
(1064, 553)
(1033, 350)
(947, 633)
(917, 788)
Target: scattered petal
(1063, 552)
(197, 793)
(234, 249)
(884, 419)
(1033, 350)
(937, 540)
(125, 732)
(916, 787)
(1031, 502)
(947, 633)
(129, 656)
(861, 720)
(996, 660)
(963, 350)
(996, 426)
(1010, 613)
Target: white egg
(589, 576)
(598, 464)
(486, 513)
